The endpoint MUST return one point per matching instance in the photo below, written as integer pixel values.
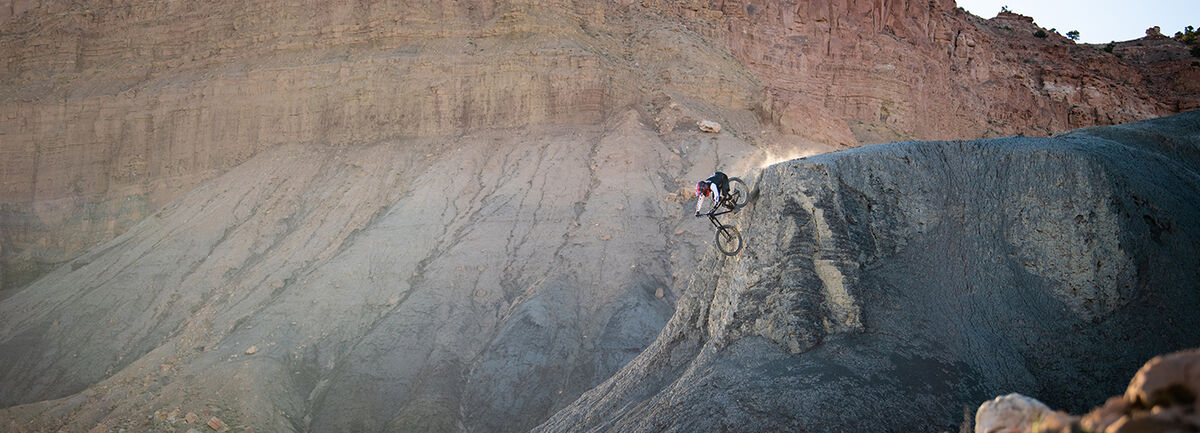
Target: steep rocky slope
(110, 109)
(895, 287)
(478, 283)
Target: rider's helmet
(702, 188)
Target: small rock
(191, 417)
(252, 350)
(1013, 412)
(659, 293)
(217, 424)
(605, 237)
(1099, 419)
(709, 126)
(393, 301)
(480, 293)
(99, 428)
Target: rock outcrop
(893, 287)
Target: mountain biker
(717, 185)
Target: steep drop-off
(895, 287)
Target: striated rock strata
(109, 110)
(873, 71)
(893, 287)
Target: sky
(1098, 21)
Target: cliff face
(893, 287)
(111, 109)
(882, 71)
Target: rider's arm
(699, 203)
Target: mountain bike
(729, 240)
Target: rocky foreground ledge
(894, 287)
(1162, 397)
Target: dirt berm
(895, 287)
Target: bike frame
(713, 218)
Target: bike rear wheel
(729, 241)
(739, 195)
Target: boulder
(1012, 413)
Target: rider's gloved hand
(697, 214)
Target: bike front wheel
(729, 241)
(738, 193)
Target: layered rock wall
(882, 71)
(110, 109)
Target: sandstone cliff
(894, 287)
(109, 110)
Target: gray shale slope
(473, 283)
(895, 287)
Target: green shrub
(1187, 36)
(1108, 48)
(1073, 34)
(1040, 33)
